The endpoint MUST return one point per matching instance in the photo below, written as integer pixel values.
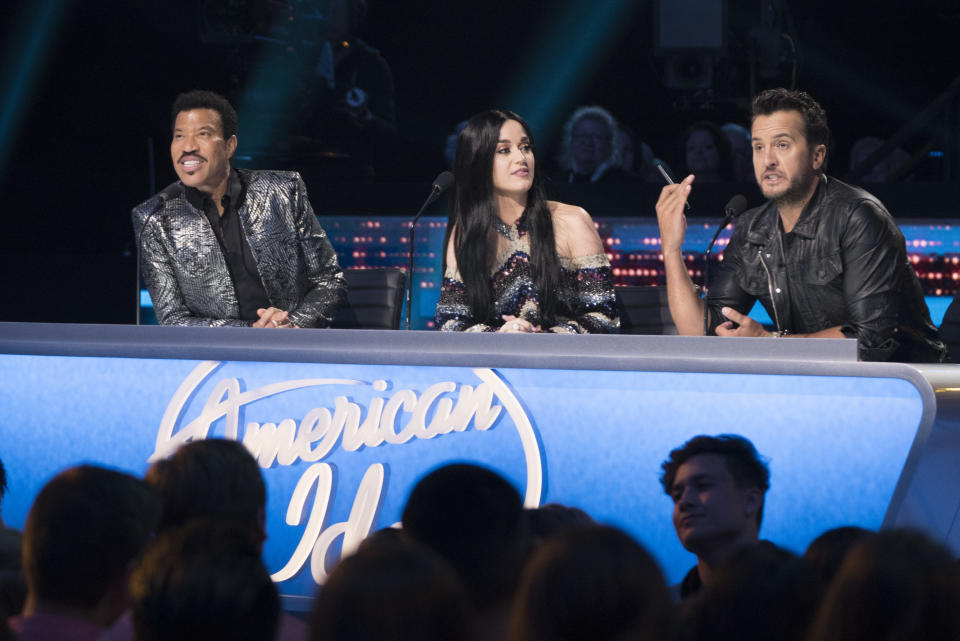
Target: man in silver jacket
(232, 247)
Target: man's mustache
(197, 156)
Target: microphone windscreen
(443, 182)
(170, 191)
(736, 206)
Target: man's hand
(273, 318)
(747, 326)
(672, 221)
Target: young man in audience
(717, 484)
(83, 535)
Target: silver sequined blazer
(186, 272)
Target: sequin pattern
(187, 275)
(586, 303)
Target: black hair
(592, 583)
(202, 99)
(211, 477)
(761, 592)
(474, 215)
(472, 517)
(724, 150)
(391, 591)
(204, 582)
(84, 528)
(815, 127)
(3, 480)
(745, 464)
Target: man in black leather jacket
(825, 259)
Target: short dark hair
(84, 528)
(472, 517)
(391, 590)
(202, 99)
(746, 466)
(3, 480)
(209, 478)
(591, 583)
(815, 127)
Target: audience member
(717, 484)
(646, 168)
(204, 582)
(13, 587)
(591, 150)
(896, 585)
(742, 153)
(10, 539)
(211, 478)
(550, 520)
(217, 480)
(826, 553)
(591, 584)
(473, 518)
(86, 529)
(706, 153)
(391, 590)
(761, 592)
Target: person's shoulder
(576, 234)
(256, 177)
(570, 216)
(851, 197)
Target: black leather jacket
(844, 264)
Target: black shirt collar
(231, 197)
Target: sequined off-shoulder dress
(585, 300)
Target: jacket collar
(767, 222)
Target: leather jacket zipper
(773, 301)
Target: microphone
(441, 183)
(733, 208)
(170, 191)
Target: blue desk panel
(583, 421)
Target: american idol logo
(386, 432)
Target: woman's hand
(514, 325)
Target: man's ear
(231, 145)
(819, 155)
(752, 501)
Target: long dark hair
(474, 214)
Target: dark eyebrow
(692, 479)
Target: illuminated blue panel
(594, 439)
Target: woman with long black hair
(513, 261)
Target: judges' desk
(343, 423)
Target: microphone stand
(733, 209)
(728, 215)
(434, 194)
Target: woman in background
(707, 153)
(513, 261)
